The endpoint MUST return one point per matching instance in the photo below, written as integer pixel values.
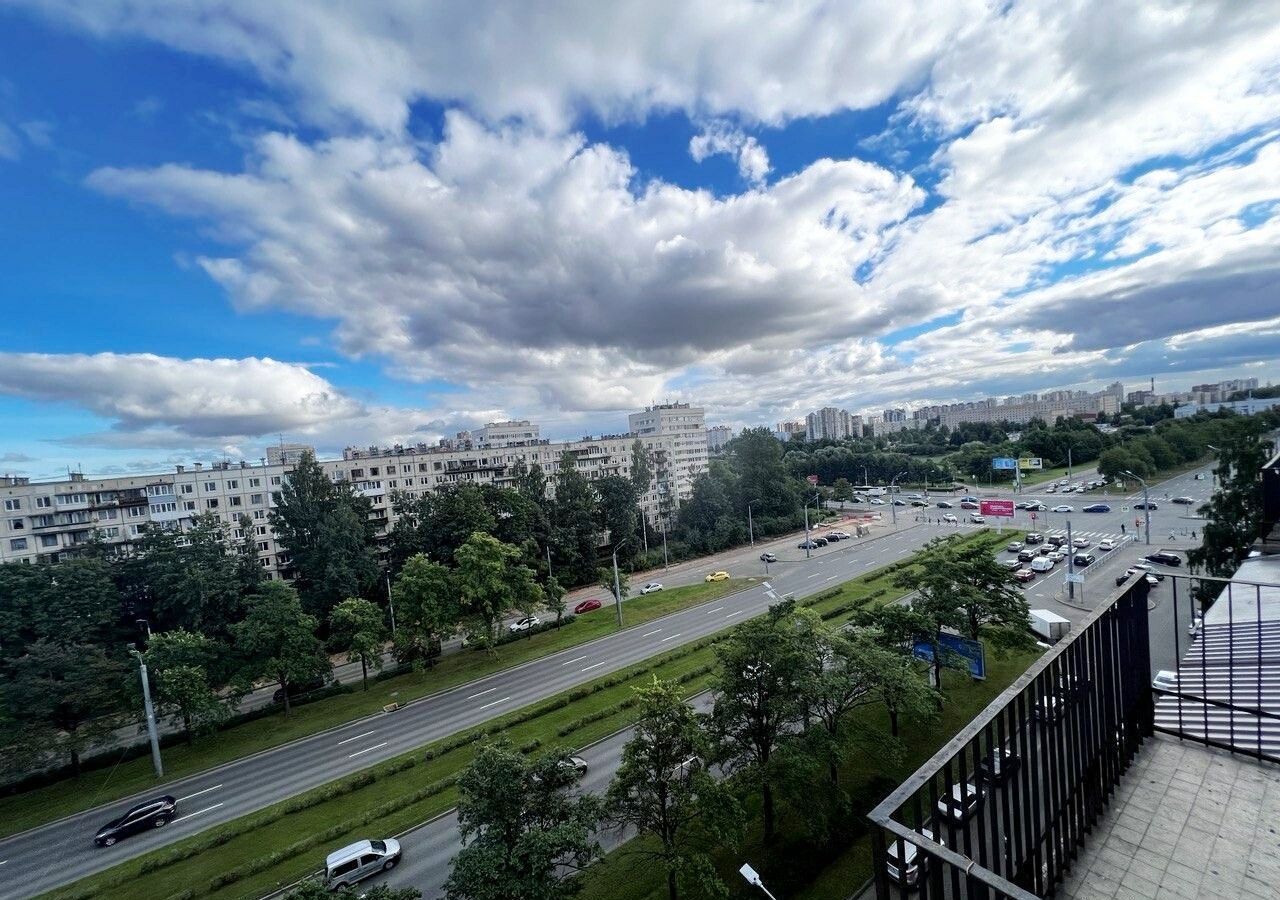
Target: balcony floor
(1186, 821)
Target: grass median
(255, 854)
(19, 812)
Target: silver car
(358, 861)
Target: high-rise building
(829, 423)
(717, 437)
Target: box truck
(1049, 625)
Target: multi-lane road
(61, 852)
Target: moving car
(524, 624)
(919, 503)
(356, 862)
(897, 502)
(1026, 554)
(717, 576)
(576, 763)
(1165, 680)
(968, 504)
(586, 606)
(1034, 537)
(1041, 564)
(876, 501)
(1097, 508)
(651, 587)
(969, 498)
(949, 519)
(1014, 546)
(977, 519)
(154, 813)
(1057, 556)
(1064, 508)
(1081, 543)
(1021, 504)
(1184, 501)
(1081, 560)
(1056, 540)
(1106, 544)
(1024, 575)
(1148, 505)
(1012, 565)
(768, 557)
(1036, 507)
(944, 504)
(1164, 558)
(1144, 567)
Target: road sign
(1075, 577)
(952, 646)
(996, 508)
(1033, 517)
(1003, 462)
(1030, 462)
(813, 479)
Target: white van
(1041, 564)
(356, 862)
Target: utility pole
(391, 606)
(1146, 504)
(150, 713)
(893, 507)
(1071, 563)
(617, 587)
(1068, 464)
(751, 532)
(664, 547)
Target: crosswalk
(1095, 537)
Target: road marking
(367, 750)
(189, 796)
(565, 663)
(716, 610)
(358, 736)
(832, 578)
(670, 637)
(736, 612)
(814, 575)
(198, 812)
(593, 665)
(648, 633)
(495, 703)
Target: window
(235, 501)
(262, 530)
(51, 540)
(373, 471)
(255, 499)
(13, 504)
(44, 502)
(137, 512)
(17, 524)
(259, 513)
(238, 533)
(275, 480)
(136, 530)
(357, 473)
(255, 482)
(263, 546)
(188, 488)
(18, 544)
(233, 484)
(211, 486)
(189, 505)
(211, 504)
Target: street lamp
(150, 711)
(893, 507)
(753, 879)
(751, 533)
(617, 588)
(1213, 473)
(1146, 504)
(814, 501)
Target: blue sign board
(954, 645)
(1003, 462)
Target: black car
(1185, 501)
(1036, 507)
(1097, 507)
(1034, 537)
(1165, 559)
(1147, 505)
(998, 766)
(807, 545)
(1084, 559)
(919, 503)
(768, 557)
(820, 541)
(154, 813)
(1057, 540)
(943, 504)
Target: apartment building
(717, 437)
(1020, 409)
(44, 521)
(833, 424)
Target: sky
(223, 224)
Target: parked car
(949, 519)
(1024, 575)
(945, 504)
(842, 535)
(1150, 570)
(832, 536)
(651, 587)
(969, 498)
(586, 606)
(1014, 546)
(998, 766)
(1184, 501)
(717, 576)
(1150, 504)
(806, 545)
(1083, 560)
(1012, 565)
(768, 557)
(524, 624)
(1106, 544)
(575, 763)
(1097, 508)
(1165, 680)
(145, 816)
(1064, 508)
(897, 502)
(1164, 558)
(358, 861)
(820, 541)
(908, 869)
(962, 802)
(977, 519)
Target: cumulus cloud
(719, 138)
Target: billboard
(1030, 462)
(996, 508)
(1003, 462)
(812, 479)
(954, 645)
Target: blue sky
(368, 226)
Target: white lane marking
(670, 637)
(188, 797)
(832, 578)
(4, 862)
(367, 750)
(482, 693)
(355, 738)
(814, 575)
(648, 633)
(593, 665)
(198, 812)
(736, 612)
(495, 703)
(567, 662)
(716, 610)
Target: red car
(1024, 575)
(586, 606)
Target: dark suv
(1084, 559)
(1165, 559)
(154, 813)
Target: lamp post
(1146, 504)
(814, 501)
(754, 880)
(893, 507)
(617, 587)
(1213, 473)
(664, 545)
(150, 712)
(751, 532)
(391, 606)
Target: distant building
(830, 423)
(506, 434)
(1242, 407)
(287, 454)
(717, 437)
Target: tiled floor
(1186, 822)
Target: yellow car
(717, 576)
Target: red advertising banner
(996, 508)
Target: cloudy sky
(382, 222)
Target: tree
(278, 639)
(521, 825)
(662, 787)
(1234, 512)
(641, 468)
(842, 489)
(553, 598)
(357, 627)
(491, 581)
(618, 513)
(179, 663)
(426, 609)
(761, 667)
(604, 578)
(190, 579)
(71, 691)
(574, 536)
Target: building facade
(831, 424)
(717, 437)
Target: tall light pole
(751, 532)
(1213, 473)
(754, 880)
(664, 545)
(1146, 503)
(893, 507)
(865, 479)
(150, 712)
(617, 587)
(391, 606)
(807, 543)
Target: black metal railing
(1002, 809)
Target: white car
(876, 501)
(1165, 680)
(977, 519)
(1042, 564)
(651, 588)
(524, 624)
(1064, 508)
(1106, 544)
(1080, 543)
(950, 519)
(1014, 546)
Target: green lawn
(35, 807)
(280, 844)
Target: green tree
(521, 827)
(641, 468)
(574, 535)
(618, 514)
(179, 663)
(604, 578)
(277, 639)
(357, 628)
(842, 489)
(191, 580)
(553, 598)
(426, 602)
(492, 581)
(662, 787)
(1234, 512)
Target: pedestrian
(1193, 534)
(1122, 531)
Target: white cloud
(750, 155)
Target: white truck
(875, 492)
(1049, 625)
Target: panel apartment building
(44, 521)
(1024, 408)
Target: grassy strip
(792, 866)
(35, 807)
